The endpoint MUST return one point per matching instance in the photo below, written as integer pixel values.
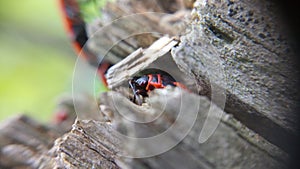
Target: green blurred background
(36, 58)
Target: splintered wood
(127, 25)
(94, 144)
(138, 61)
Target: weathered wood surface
(23, 141)
(127, 25)
(240, 37)
(248, 41)
(90, 144)
(94, 144)
(156, 56)
(137, 61)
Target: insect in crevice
(149, 80)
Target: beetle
(148, 80)
(74, 24)
(76, 28)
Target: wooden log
(244, 48)
(223, 34)
(127, 25)
(94, 144)
(23, 141)
(90, 144)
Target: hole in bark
(261, 35)
(231, 12)
(219, 34)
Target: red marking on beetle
(152, 84)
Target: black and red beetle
(76, 28)
(148, 80)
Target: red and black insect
(74, 24)
(149, 80)
(76, 28)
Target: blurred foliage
(36, 58)
(90, 8)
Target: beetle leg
(135, 94)
(149, 81)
